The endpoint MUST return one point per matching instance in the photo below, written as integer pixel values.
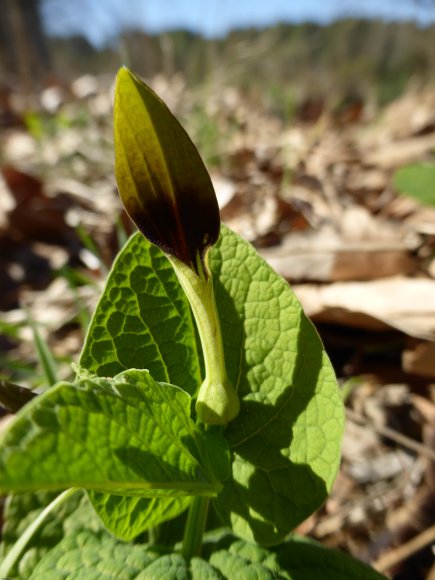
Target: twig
(394, 557)
(393, 435)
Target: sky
(102, 20)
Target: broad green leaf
(99, 556)
(169, 567)
(294, 560)
(161, 178)
(417, 181)
(93, 557)
(286, 440)
(305, 559)
(128, 435)
(22, 509)
(202, 570)
(143, 321)
(231, 565)
(127, 517)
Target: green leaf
(417, 181)
(305, 559)
(294, 560)
(128, 435)
(161, 178)
(22, 509)
(286, 440)
(169, 567)
(232, 565)
(143, 321)
(93, 557)
(99, 556)
(202, 570)
(127, 517)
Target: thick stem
(195, 527)
(17, 549)
(217, 401)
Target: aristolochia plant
(205, 420)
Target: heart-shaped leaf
(286, 440)
(143, 321)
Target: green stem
(217, 401)
(195, 527)
(17, 549)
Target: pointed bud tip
(161, 177)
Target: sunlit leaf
(128, 435)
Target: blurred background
(284, 51)
(316, 121)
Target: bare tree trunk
(23, 51)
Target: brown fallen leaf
(327, 256)
(36, 216)
(396, 154)
(402, 303)
(419, 359)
